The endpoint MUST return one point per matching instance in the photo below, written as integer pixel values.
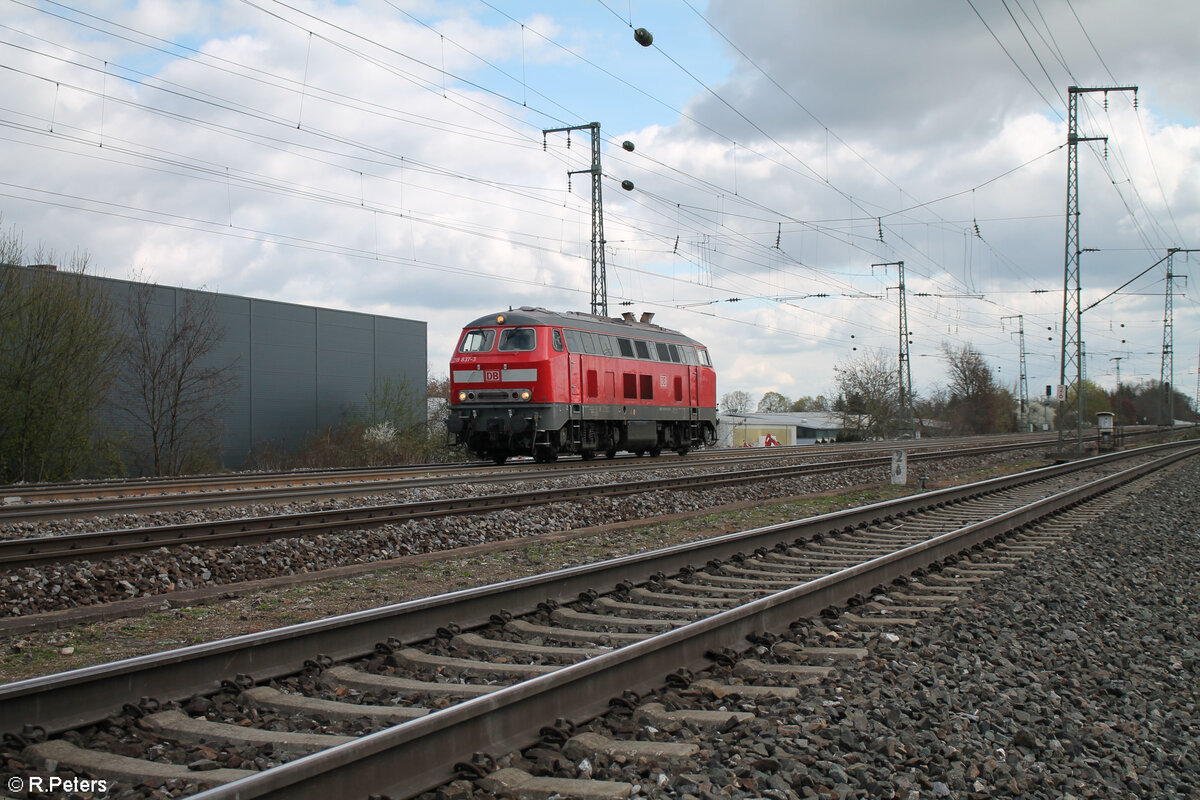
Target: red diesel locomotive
(537, 382)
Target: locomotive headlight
(462, 396)
(526, 394)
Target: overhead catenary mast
(1071, 362)
(599, 272)
(905, 426)
(1023, 384)
(1166, 374)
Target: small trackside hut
(540, 383)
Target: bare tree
(806, 403)
(172, 389)
(976, 402)
(58, 341)
(736, 402)
(773, 403)
(438, 387)
(868, 389)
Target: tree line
(866, 394)
(90, 386)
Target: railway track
(486, 669)
(17, 553)
(72, 500)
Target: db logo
(491, 376)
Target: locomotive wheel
(499, 457)
(655, 451)
(683, 451)
(610, 452)
(639, 453)
(588, 455)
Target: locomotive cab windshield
(518, 339)
(477, 341)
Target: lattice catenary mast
(1166, 374)
(1071, 363)
(1023, 384)
(599, 275)
(905, 424)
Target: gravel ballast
(72, 584)
(1072, 677)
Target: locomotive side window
(558, 340)
(517, 339)
(574, 340)
(663, 353)
(477, 341)
(605, 346)
(703, 357)
(674, 351)
(626, 346)
(643, 349)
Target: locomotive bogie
(539, 383)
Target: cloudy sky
(388, 156)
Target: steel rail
(151, 485)
(86, 696)
(161, 485)
(415, 756)
(285, 487)
(251, 482)
(30, 551)
(243, 486)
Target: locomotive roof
(528, 315)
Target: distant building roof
(812, 420)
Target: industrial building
(757, 430)
(292, 369)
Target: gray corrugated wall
(233, 314)
(298, 369)
(345, 362)
(283, 369)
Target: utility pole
(905, 424)
(1071, 362)
(1166, 373)
(1118, 360)
(599, 276)
(1023, 384)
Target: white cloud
(326, 159)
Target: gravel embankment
(73, 584)
(1074, 677)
